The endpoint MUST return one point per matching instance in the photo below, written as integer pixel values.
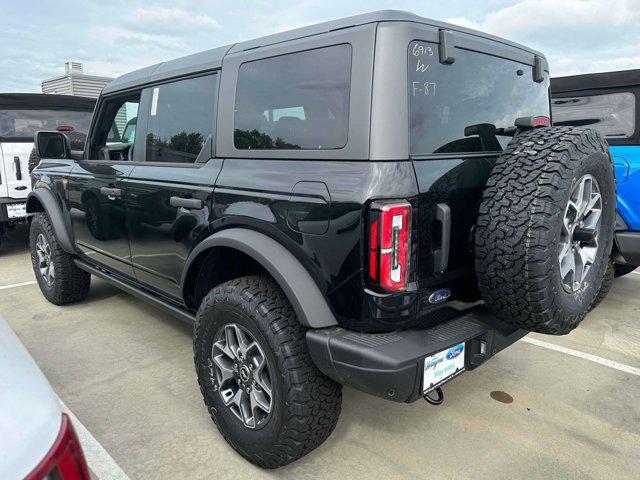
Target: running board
(137, 292)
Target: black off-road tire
(306, 403)
(517, 241)
(34, 160)
(70, 284)
(622, 270)
(605, 287)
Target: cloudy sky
(114, 36)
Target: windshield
(462, 107)
(24, 123)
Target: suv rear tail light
(65, 460)
(389, 244)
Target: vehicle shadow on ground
(102, 290)
(16, 242)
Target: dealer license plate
(441, 367)
(16, 210)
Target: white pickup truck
(21, 115)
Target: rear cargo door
(16, 181)
(456, 113)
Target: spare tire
(34, 159)
(545, 228)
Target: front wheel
(259, 383)
(60, 280)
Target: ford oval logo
(439, 296)
(454, 352)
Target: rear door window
(462, 107)
(294, 101)
(613, 114)
(180, 119)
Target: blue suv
(608, 102)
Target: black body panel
(263, 195)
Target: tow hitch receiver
(434, 401)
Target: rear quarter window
(294, 101)
(461, 107)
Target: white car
(37, 440)
(21, 116)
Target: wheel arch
(42, 200)
(244, 247)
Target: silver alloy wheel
(580, 231)
(242, 374)
(45, 264)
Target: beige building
(75, 82)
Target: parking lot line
(15, 285)
(100, 462)
(587, 356)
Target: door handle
(16, 161)
(441, 254)
(112, 193)
(188, 203)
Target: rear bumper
(628, 243)
(389, 365)
(4, 201)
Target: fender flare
(302, 291)
(48, 201)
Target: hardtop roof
(212, 59)
(42, 100)
(594, 81)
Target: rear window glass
(294, 101)
(462, 107)
(613, 114)
(25, 123)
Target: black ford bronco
(378, 201)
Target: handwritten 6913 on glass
(422, 55)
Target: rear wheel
(262, 390)
(60, 280)
(545, 228)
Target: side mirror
(52, 145)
